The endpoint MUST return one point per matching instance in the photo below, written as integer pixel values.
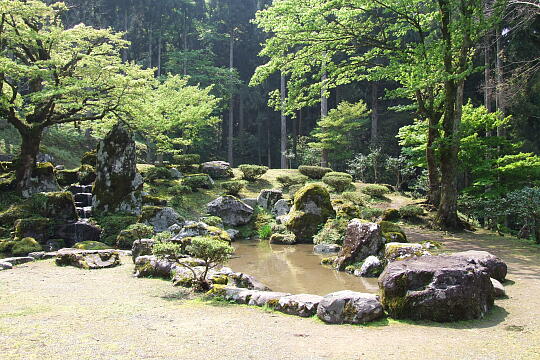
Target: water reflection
(293, 269)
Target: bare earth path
(47, 312)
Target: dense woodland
(439, 99)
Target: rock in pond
(372, 267)
(498, 289)
(496, 268)
(88, 259)
(437, 288)
(217, 169)
(233, 211)
(349, 307)
(304, 305)
(268, 198)
(362, 239)
(326, 248)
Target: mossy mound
(86, 174)
(213, 221)
(6, 245)
(284, 239)
(67, 177)
(154, 200)
(89, 158)
(25, 246)
(112, 225)
(198, 181)
(91, 245)
(6, 167)
(59, 206)
(392, 232)
(127, 237)
(314, 172)
(312, 208)
(39, 228)
(346, 209)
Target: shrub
(197, 181)
(91, 245)
(411, 211)
(391, 215)
(354, 197)
(314, 172)
(25, 246)
(138, 231)
(369, 213)
(6, 245)
(346, 209)
(163, 236)
(212, 221)
(252, 172)
(387, 228)
(375, 190)
(112, 225)
(186, 161)
(333, 232)
(179, 190)
(338, 180)
(265, 231)
(154, 200)
(157, 173)
(288, 180)
(233, 187)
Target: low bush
(179, 190)
(197, 181)
(369, 213)
(338, 180)
(25, 246)
(314, 172)
(346, 209)
(252, 172)
(138, 231)
(411, 211)
(333, 232)
(287, 181)
(233, 187)
(354, 197)
(112, 225)
(157, 173)
(154, 200)
(375, 190)
(212, 221)
(186, 161)
(391, 215)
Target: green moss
(314, 172)
(388, 227)
(197, 181)
(395, 237)
(39, 228)
(6, 245)
(91, 245)
(112, 225)
(14, 212)
(148, 212)
(391, 215)
(217, 290)
(220, 279)
(154, 200)
(89, 158)
(346, 209)
(25, 246)
(43, 169)
(138, 231)
(87, 174)
(67, 177)
(285, 239)
(212, 221)
(328, 260)
(55, 205)
(7, 182)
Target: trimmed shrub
(233, 187)
(314, 172)
(411, 211)
(287, 181)
(179, 190)
(112, 225)
(138, 231)
(252, 172)
(369, 213)
(375, 190)
(157, 173)
(186, 161)
(354, 197)
(197, 181)
(391, 215)
(346, 209)
(25, 246)
(338, 180)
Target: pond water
(294, 269)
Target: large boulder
(362, 239)
(38, 228)
(76, 232)
(217, 169)
(41, 180)
(349, 307)
(282, 207)
(304, 305)
(496, 268)
(58, 206)
(400, 251)
(192, 229)
(438, 288)
(151, 266)
(161, 218)
(233, 211)
(118, 185)
(311, 208)
(268, 198)
(88, 259)
(241, 280)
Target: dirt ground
(48, 312)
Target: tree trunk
(499, 98)
(159, 55)
(434, 178)
(269, 147)
(149, 49)
(374, 112)
(283, 137)
(27, 158)
(230, 132)
(324, 113)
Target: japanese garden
(270, 179)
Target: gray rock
(349, 307)
(282, 219)
(361, 240)
(304, 305)
(246, 281)
(88, 259)
(252, 202)
(43, 180)
(438, 288)
(5, 265)
(79, 231)
(326, 248)
(261, 298)
(118, 185)
(498, 289)
(18, 260)
(496, 268)
(238, 295)
(174, 229)
(233, 211)
(372, 267)
(401, 251)
(234, 234)
(281, 207)
(268, 198)
(142, 247)
(151, 266)
(217, 169)
(175, 173)
(163, 219)
(42, 255)
(192, 228)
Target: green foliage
(354, 197)
(89, 158)
(212, 221)
(411, 211)
(86, 174)
(67, 177)
(252, 172)
(176, 190)
(314, 172)
(91, 245)
(162, 236)
(25, 246)
(375, 190)
(367, 167)
(391, 215)
(197, 181)
(157, 173)
(338, 180)
(283, 239)
(112, 225)
(333, 232)
(233, 187)
(370, 213)
(287, 181)
(137, 231)
(265, 231)
(388, 228)
(186, 161)
(346, 209)
(154, 200)
(164, 249)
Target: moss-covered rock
(25, 246)
(59, 206)
(160, 218)
(42, 180)
(154, 200)
(67, 177)
(89, 158)
(6, 245)
(91, 245)
(311, 209)
(391, 215)
(112, 225)
(6, 167)
(346, 209)
(86, 174)
(213, 221)
(399, 251)
(39, 228)
(392, 232)
(134, 232)
(284, 239)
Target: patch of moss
(154, 200)
(6, 245)
(148, 212)
(86, 174)
(89, 158)
(91, 245)
(388, 227)
(212, 221)
(112, 225)
(39, 228)
(67, 177)
(285, 239)
(25, 246)
(43, 169)
(391, 215)
(55, 205)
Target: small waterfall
(83, 200)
